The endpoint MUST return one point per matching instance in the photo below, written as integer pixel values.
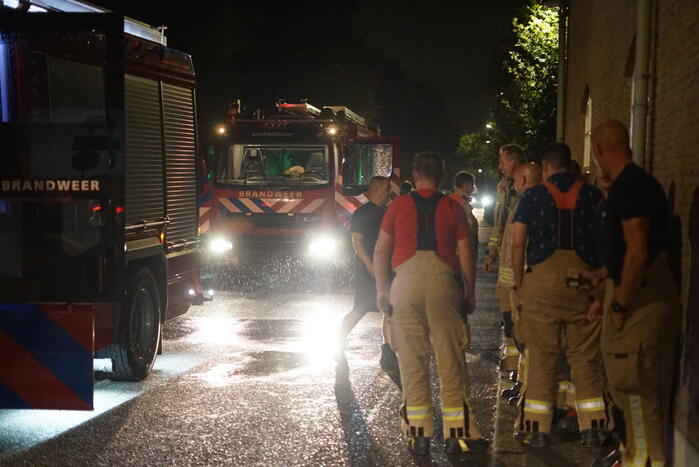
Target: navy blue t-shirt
(538, 211)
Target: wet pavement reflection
(266, 389)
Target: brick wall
(600, 40)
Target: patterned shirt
(538, 211)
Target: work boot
(389, 364)
(592, 438)
(513, 401)
(512, 392)
(419, 445)
(611, 459)
(536, 440)
(389, 360)
(513, 376)
(455, 445)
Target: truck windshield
(55, 167)
(275, 164)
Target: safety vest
(565, 204)
(426, 226)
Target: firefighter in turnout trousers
(525, 177)
(642, 312)
(430, 297)
(511, 157)
(554, 220)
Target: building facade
(601, 57)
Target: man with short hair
(366, 222)
(641, 324)
(464, 186)
(555, 221)
(526, 176)
(511, 158)
(425, 239)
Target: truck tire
(138, 337)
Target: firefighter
(464, 186)
(511, 157)
(525, 177)
(642, 315)
(425, 239)
(554, 220)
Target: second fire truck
(293, 180)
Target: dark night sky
(423, 70)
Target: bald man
(524, 177)
(366, 223)
(642, 314)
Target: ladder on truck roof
(347, 114)
(131, 26)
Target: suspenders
(426, 230)
(565, 203)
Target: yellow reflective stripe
(590, 405)
(537, 406)
(463, 445)
(452, 414)
(566, 386)
(418, 412)
(511, 351)
(657, 464)
(506, 276)
(640, 454)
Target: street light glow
(489, 126)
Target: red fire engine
(292, 180)
(98, 198)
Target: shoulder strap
(426, 228)
(565, 201)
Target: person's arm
(382, 269)
(360, 250)
(635, 260)
(468, 272)
(519, 240)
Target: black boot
(512, 392)
(513, 376)
(513, 401)
(611, 459)
(592, 438)
(455, 445)
(389, 360)
(536, 440)
(419, 445)
(389, 364)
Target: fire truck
(291, 181)
(98, 198)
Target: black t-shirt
(635, 194)
(367, 221)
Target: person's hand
(594, 311)
(370, 268)
(617, 318)
(488, 264)
(515, 299)
(468, 306)
(593, 278)
(382, 303)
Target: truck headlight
(220, 245)
(486, 201)
(323, 247)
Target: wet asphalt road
(260, 385)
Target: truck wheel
(138, 338)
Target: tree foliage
(524, 105)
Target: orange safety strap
(565, 202)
